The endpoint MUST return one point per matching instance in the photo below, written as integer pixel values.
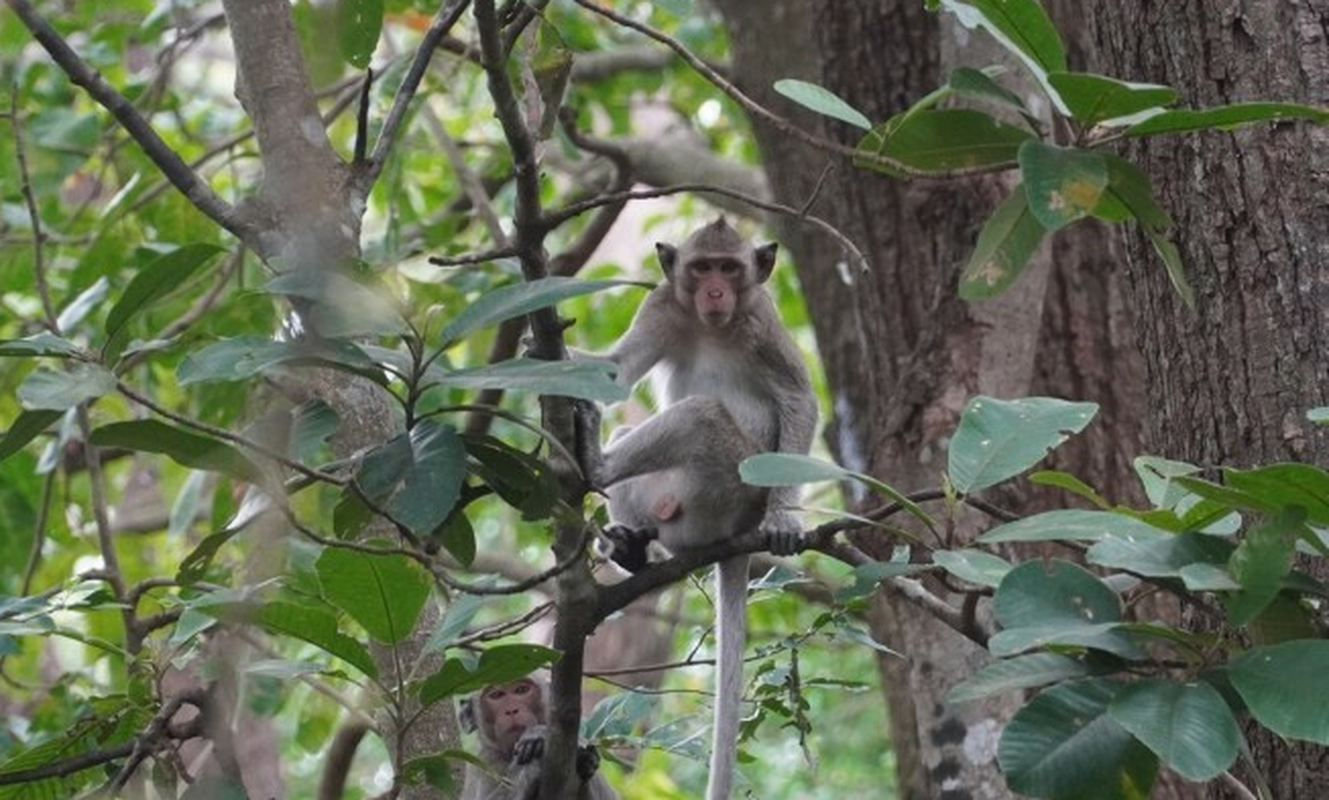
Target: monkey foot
(785, 543)
(630, 546)
(588, 762)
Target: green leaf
(517, 299)
(359, 23)
(1064, 745)
(589, 380)
(431, 483)
(462, 609)
(1094, 98)
(501, 664)
(1319, 415)
(1022, 672)
(28, 426)
(82, 305)
(1021, 26)
(1072, 525)
(1160, 557)
(523, 480)
(979, 84)
(384, 593)
(183, 447)
(41, 344)
(1005, 245)
(868, 576)
(791, 469)
(1129, 195)
(1188, 725)
(164, 275)
(339, 306)
(1057, 603)
(679, 8)
(1226, 117)
(318, 627)
(1280, 685)
(244, 357)
(822, 101)
(999, 439)
(1176, 271)
(974, 566)
(1062, 184)
(1260, 563)
(939, 141)
(51, 390)
(1067, 481)
(1286, 486)
(1157, 476)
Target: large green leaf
(979, 84)
(1072, 525)
(245, 357)
(1022, 672)
(1094, 98)
(523, 480)
(1062, 184)
(999, 439)
(1057, 603)
(318, 627)
(1064, 745)
(500, 664)
(60, 390)
(190, 449)
(822, 101)
(589, 380)
(1260, 563)
(1188, 725)
(943, 140)
(416, 475)
(1160, 557)
(1005, 245)
(1286, 486)
(1226, 117)
(517, 299)
(1022, 26)
(359, 23)
(158, 279)
(40, 344)
(1283, 686)
(974, 566)
(384, 593)
(28, 426)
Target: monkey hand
(530, 747)
(630, 547)
(784, 536)
(588, 762)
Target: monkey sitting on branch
(510, 720)
(735, 386)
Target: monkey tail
(731, 622)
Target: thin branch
(438, 28)
(758, 111)
(470, 182)
(473, 258)
(156, 732)
(34, 217)
(190, 184)
(561, 215)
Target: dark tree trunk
(1230, 383)
(902, 353)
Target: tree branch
(190, 184)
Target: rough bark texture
(1230, 383)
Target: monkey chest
(738, 386)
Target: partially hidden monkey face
(509, 709)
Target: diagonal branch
(190, 184)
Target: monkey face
(713, 287)
(508, 710)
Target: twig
(34, 216)
(147, 743)
(473, 258)
(161, 154)
(561, 215)
(438, 28)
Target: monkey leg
(630, 547)
(698, 433)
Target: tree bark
(1230, 383)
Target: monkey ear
(764, 257)
(466, 715)
(668, 257)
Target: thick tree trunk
(1229, 384)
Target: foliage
(1063, 179)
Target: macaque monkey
(510, 720)
(735, 386)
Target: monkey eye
(701, 267)
(523, 689)
(729, 267)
